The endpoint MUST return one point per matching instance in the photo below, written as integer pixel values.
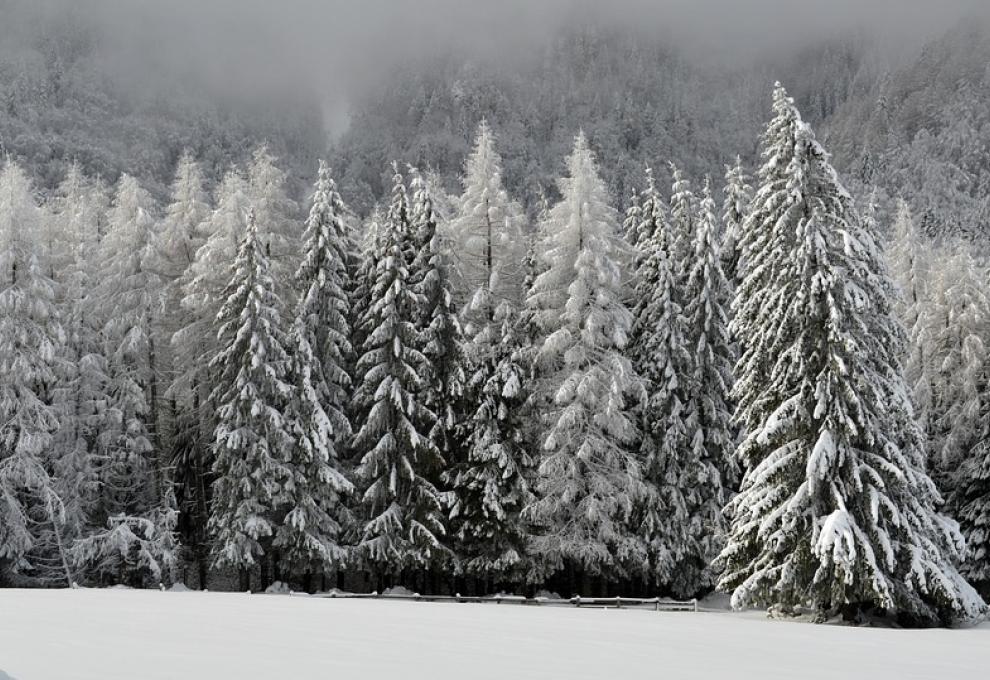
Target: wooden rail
(654, 603)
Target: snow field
(150, 635)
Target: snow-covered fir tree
(440, 335)
(489, 487)
(311, 535)
(683, 215)
(836, 510)
(737, 195)
(253, 434)
(31, 337)
(398, 458)
(588, 476)
(707, 468)
(202, 287)
(661, 357)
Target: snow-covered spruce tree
(440, 337)
(406, 521)
(707, 468)
(762, 248)
(309, 538)
(30, 342)
(737, 195)
(971, 503)
(910, 256)
(253, 434)
(588, 477)
(490, 485)
(661, 356)
(683, 215)
(486, 235)
(202, 286)
(836, 510)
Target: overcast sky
(338, 45)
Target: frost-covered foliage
(31, 337)
(836, 508)
(398, 459)
(588, 476)
(707, 470)
(253, 433)
(661, 356)
(735, 205)
(311, 534)
(440, 337)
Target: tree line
(443, 395)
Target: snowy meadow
(122, 634)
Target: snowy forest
(615, 323)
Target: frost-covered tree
(129, 298)
(707, 468)
(737, 195)
(311, 535)
(588, 477)
(202, 287)
(31, 337)
(486, 235)
(398, 458)
(440, 335)
(276, 217)
(836, 510)
(253, 434)
(910, 256)
(490, 485)
(683, 214)
(958, 331)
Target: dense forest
(595, 326)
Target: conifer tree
(587, 478)
(707, 468)
(735, 205)
(661, 356)
(275, 213)
(251, 491)
(487, 235)
(440, 336)
(31, 336)
(129, 294)
(398, 458)
(836, 510)
(683, 213)
(311, 535)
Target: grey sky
(339, 45)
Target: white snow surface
(147, 635)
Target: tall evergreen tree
(588, 478)
(311, 535)
(836, 509)
(31, 336)
(660, 356)
(735, 205)
(251, 492)
(406, 522)
(707, 468)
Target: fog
(341, 46)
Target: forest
(522, 346)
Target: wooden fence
(653, 603)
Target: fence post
(694, 601)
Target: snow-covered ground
(146, 635)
